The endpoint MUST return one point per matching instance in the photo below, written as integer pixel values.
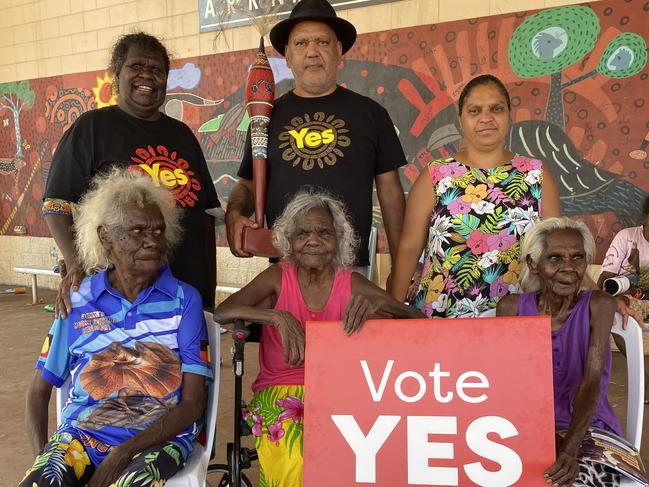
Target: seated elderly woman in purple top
(554, 255)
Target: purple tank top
(569, 353)
(272, 368)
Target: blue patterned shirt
(125, 359)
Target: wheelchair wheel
(219, 476)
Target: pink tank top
(272, 368)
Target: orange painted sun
(104, 95)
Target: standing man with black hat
(323, 135)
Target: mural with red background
(577, 76)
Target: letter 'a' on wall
(406, 403)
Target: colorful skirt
(276, 416)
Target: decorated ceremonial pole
(260, 96)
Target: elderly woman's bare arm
(369, 301)
(253, 303)
(189, 410)
(36, 403)
(384, 302)
(602, 311)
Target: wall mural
(577, 76)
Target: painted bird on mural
(584, 188)
(622, 60)
(545, 44)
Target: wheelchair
(239, 458)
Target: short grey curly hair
(534, 244)
(302, 202)
(103, 205)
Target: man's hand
(234, 224)
(71, 280)
(111, 468)
(293, 337)
(564, 471)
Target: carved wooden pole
(260, 96)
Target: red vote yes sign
(429, 402)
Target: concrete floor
(22, 329)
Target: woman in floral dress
(468, 212)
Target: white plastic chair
(635, 377)
(194, 473)
(635, 383)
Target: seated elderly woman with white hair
(134, 345)
(554, 255)
(313, 282)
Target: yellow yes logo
(313, 138)
(165, 176)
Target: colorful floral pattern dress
(276, 417)
(471, 258)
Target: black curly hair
(142, 40)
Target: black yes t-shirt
(337, 142)
(168, 152)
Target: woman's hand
(625, 310)
(564, 471)
(414, 284)
(359, 309)
(70, 279)
(292, 335)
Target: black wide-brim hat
(316, 10)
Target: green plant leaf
(517, 187)
(468, 272)
(491, 223)
(173, 453)
(465, 224)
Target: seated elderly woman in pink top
(314, 281)
(554, 255)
